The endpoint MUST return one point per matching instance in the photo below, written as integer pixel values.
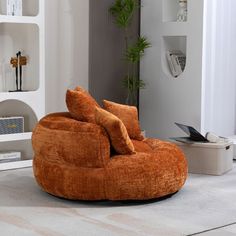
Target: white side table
(233, 139)
(208, 158)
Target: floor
(206, 206)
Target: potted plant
(123, 12)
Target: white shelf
(22, 104)
(16, 165)
(29, 7)
(170, 10)
(19, 19)
(15, 137)
(173, 43)
(175, 28)
(11, 108)
(26, 34)
(21, 96)
(25, 38)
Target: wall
(106, 65)
(204, 95)
(83, 47)
(166, 99)
(67, 49)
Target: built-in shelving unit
(15, 137)
(203, 96)
(22, 37)
(169, 10)
(26, 34)
(173, 34)
(172, 43)
(167, 98)
(29, 7)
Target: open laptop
(194, 135)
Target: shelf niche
(173, 43)
(29, 7)
(16, 37)
(24, 147)
(170, 10)
(18, 108)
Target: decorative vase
(183, 12)
(131, 98)
(14, 7)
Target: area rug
(206, 202)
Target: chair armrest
(153, 143)
(60, 138)
(159, 145)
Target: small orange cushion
(128, 115)
(116, 130)
(81, 105)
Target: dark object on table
(17, 62)
(194, 135)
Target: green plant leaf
(133, 84)
(122, 11)
(135, 52)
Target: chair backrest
(60, 138)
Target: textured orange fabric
(69, 181)
(116, 130)
(72, 160)
(145, 175)
(80, 89)
(81, 105)
(140, 146)
(62, 139)
(128, 115)
(152, 142)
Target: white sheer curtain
(67, 49)
(219, 104)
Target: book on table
(176, 60)
(10, 156)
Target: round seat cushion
(145, 175)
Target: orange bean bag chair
(73, 160)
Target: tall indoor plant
(123, 12)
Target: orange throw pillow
(116, 130)
(81, 105)
(128, 115)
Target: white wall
(167, 100)
(67, 49)
(219, 101)
(204, 95)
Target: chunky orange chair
(74, 160)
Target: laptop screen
(193, 133)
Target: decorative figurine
(17, 62)
(14, 7)
(183, 12)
